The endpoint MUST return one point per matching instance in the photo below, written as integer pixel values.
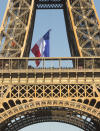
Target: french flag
(41, 48)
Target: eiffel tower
(30, 95)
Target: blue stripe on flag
(46, 51)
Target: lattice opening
(11, 103)
(80, 100)
(1, 110)
(24, 101)
(18, 102)
(86, 101)
(98, 105)
(6, 106)
(92, 102)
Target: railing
(50, 63)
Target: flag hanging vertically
(41, 48)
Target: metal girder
(83, 26)
(76, 88)
(16, 29)
(51, 114)
(50, 4)
(68, 92)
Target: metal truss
(67, 90)
(15, 31)
(55, 114)
(70, 95)
(50, 4)
(84, 28)
(82, 23)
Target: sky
(54, 20)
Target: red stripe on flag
(37, 62)
(36, 51)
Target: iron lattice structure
(67, 90)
